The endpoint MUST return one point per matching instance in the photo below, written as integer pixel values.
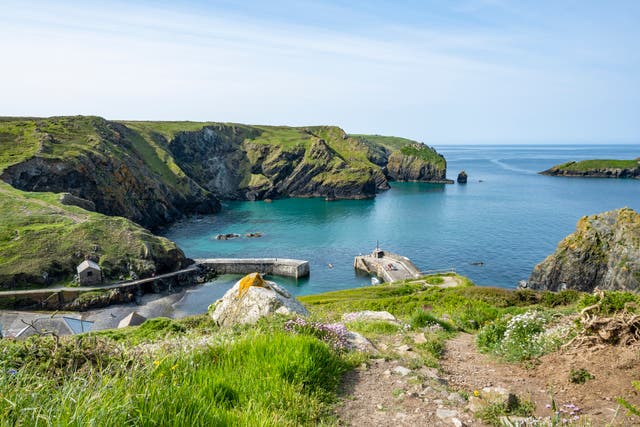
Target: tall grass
(270, 378)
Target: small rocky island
(597, 169)
(603, 252)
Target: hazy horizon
(446, 73)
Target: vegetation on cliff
(599, 168)
(406, 160)
(603, 252)
(42, 241)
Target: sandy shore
(152, 305)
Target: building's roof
(132, 319)
(78, 326)
(86, 264)
(55, 325)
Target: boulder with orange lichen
(251, 298)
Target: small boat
(375, 281)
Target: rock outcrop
(603, 252)
(251, 298)
(597, 169)
(417, 162)
(462, 177)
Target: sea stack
(462, 177)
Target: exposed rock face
(462, 177)
(71, 200)
(415, 163)
(603, 252)
(252, 298)
(227, 160)
(109, 172)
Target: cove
(507, 217)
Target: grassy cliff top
(38, 234)
(392, 143)
(588, 165)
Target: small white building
(89, 273)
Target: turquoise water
(507, 216)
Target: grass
(588, 165)
(392, 143)
(468, 307)
(38, 234)
(260, 376)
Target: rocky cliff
(406, 160)
(258, 162)
(105, 163)
(603, 252)
(597, 169)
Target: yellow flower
(476, 393)
(156, 362)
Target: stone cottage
(89, 273)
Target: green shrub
(612, 302)
(523, 336)
(423, 319)
(579, 376)
(490, 337)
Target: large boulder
(251, 298)
(603, 252)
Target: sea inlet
(493, 229)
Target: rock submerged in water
(251, 298)
(462, 177)
(603, 252)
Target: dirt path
(388, 393)
(614, 369)
(384, 394)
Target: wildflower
(156, 362)
(476, 393)
(12, 371)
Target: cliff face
(112, 167)
(597, 169)
(603, 252)
(252, 163)
(417, 162)
(406, 160)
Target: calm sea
(506, 217)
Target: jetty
(61, 298)
(387, 266)
(272, 266)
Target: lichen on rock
(251, 298)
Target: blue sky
(466, 71)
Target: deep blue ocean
(507, 216)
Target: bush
(579, 376)
(521, 337)
(612, 302)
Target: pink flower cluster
(334, 334)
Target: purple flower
(12, 371)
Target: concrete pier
(273, 266)
(65, 298)
(387, 266)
